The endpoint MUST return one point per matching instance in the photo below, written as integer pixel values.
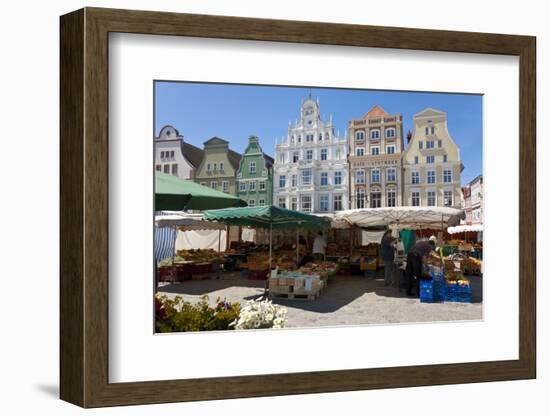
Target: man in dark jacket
(387, 252)
(415, 258)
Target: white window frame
(309, 176)
(431, 179)
(293, 203)
(295, 155)
(302, 205)
(419, 199)
(337, 199)
(445, 198)
(251, 203)
(360, 135)
(308, 152)
(252, 165)
(339, 176)
(372, 172)
(375, 134)
(252, 186)
(359, 151)
(261, 202)
(324, 154)
(294, 180)
(414, 174)
(391, 146)
(372, 152)
(242, 187)
(428, 193)
(357, 172)
(389, 175)
(430, 157)
(214, 185)
(225, 186)
(283, 204)
(325, 176)
(394, 192)
(324, 198)
(262, 186)
(430, 144)
(388, 130)
(416, 160)
(360, 202)
(450, 176)
(282, 180)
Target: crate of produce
(201, 268)
(183, 272)
(258, 274)
(165, 273)
(458, 292)
(369, 263)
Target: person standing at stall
(319, 247)
(387, 252)
(415, 260)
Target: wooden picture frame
(84, 207)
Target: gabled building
(174, 156)
(375, 151)
(255, 175)
(431, 163)
(311, 169)
(473, 200)
(219, 166)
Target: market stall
(272, 218)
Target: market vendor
(415, 259)
(319, 247)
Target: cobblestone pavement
(348, 300)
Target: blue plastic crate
(426, 291)
(458, 293)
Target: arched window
(360, 135)
(375, 134)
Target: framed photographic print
(254, 207)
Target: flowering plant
(260, 313)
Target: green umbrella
(176, 194)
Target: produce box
(183, 272)
(368, 263)
(432, 291)
(456, 292)
(201, 268)
(165, 273)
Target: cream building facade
(375, 152)
(431, 163)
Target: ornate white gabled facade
(311, 170)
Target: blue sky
(233, 112)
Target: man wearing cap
(415, 259)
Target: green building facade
(219, 166)
(255, 175)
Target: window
(306, 177)
(447, 176)
(324, 178)
(215, 166)
(309, 137)
(445, 158)
(390, 132)
(252, 166)
(429, 144)
(323, 203)
(158, 168)
(294, 179)
(166, 168)
(337, 201)
(252, 186)
(162, 155)
(431, 198)
(282, 158)
(225, 186)
(292, 139)
(416, 160)
(375, 151)
(337, 154)
(448, 198)
(242, 186)
(262, 185)
(282, 202)
(309, 154)
(208, 166)
(337, 178)
(214, 185)
(391, 198)
(360, 176)
(299, 139)
(415, 178)
(439, 143)
(415, 199)
(360, 135)
(390, 150)
(293, 203)
(360, 151)
(282, 181)
(171, 154)
(221, 166)
(375, 199)
(375, 134)
(295, 157)
(432, 130)
(175, 169)
(431, 176)
(261, 202)
(320, 137)
(391, 175)
(360, 198)
(427, 130)
(324, 153)
(306, 203)
(420, 144)
(251, 203)
(430, 159)
(375, 175)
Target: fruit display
(337, 250)
(322, 268)
(197, 256)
